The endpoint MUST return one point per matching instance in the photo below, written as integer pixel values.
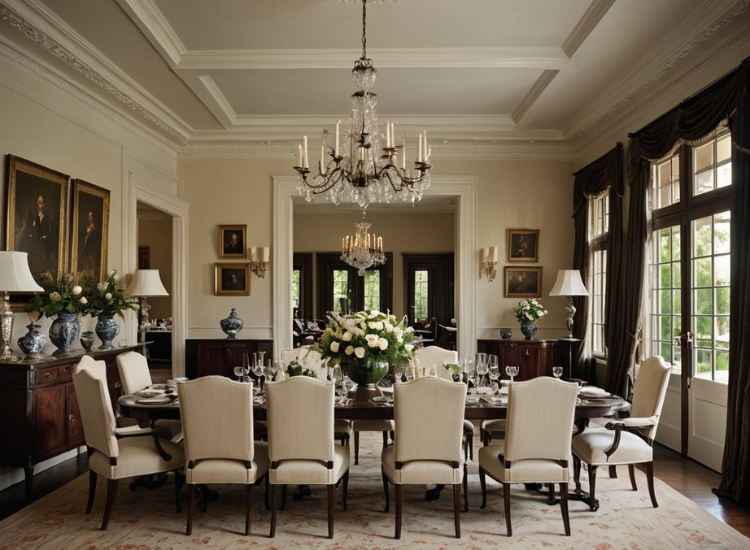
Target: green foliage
(529, 309)
(105, 298)
(60, 296)
(295, 369)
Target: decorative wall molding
(536, 90)
(150, 20)
(591, 18)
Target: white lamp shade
(145, 283)
(15, 275)
(569, 283)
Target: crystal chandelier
(362, 250)
(356, 170)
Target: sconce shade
(569, 283)
(145, 283)
(15, 275)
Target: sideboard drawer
(52, 374)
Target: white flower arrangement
(529, 309)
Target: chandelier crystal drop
(362, 250)
(354, 168)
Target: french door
(339, 282)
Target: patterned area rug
(145, 520)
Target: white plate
(150, 393)
(154, 400)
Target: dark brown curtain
(594, 179)
(725, 100)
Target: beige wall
(510, 194)
(408, 232)
(157, 235)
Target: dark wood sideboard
(212, 356)
(40, 415)
(534, 357)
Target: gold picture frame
(523, 245)
(89, 228)
(523, 282)
(232, 279)
(232, 242)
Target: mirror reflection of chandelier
(362, 250)
(358, 170)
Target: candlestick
(494, 254)
(336, 147)
(266, 254)
(299, 156)
(419, 153)
(304, 148)
(403, 159)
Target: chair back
(134, 373)
(429, 415)
(308, 358)
(300, 419)
(96, 412)
(98, 369)
(435, 355)
(540, 418)
(217, 418)
(650, 390)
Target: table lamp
(145, 284)
(569, 284)
(15, 277)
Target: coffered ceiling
(268, 71)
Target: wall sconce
(259, 260)
(488, 262)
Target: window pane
(420, 294)
(340, 288)
(665, 303)
(704, 182)
(703, 302)
(666, 184)
(712, 165)
(703, 363)
(723, 148)
(295, 287)
(721, 233)
(372, 289)
(722, 300)
(724, 175)
(702, 237)
(721, 333)
(703, 332)
(721, 270)
(702, 275)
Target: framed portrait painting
(36, 218)
(89, 231)
(232, 279)
(523, 245)
(523, 282)
(232, 241)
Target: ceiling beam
(588, 22)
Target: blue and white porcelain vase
(232, 324)
(506, 333)
(529, 328)
(64, 331)
(33, 341)
(107, 330)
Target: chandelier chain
(364, 29)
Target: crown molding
(445, 150)
(588, 22)
(149, 19)
(40, 25)
(704, 23)
(536, 90)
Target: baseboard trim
(11, 476)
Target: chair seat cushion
(521, 471)
(310, 472)
(591, 444)
(222, 470)
(138, 457)
(420, 471)
(468, 427)
(341, 426)
(374, 425)
(493, 426)
(173, 427)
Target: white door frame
(463, 188)
(135, 190)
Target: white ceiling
(207, 71)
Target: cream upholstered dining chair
(628, 441)
(115, 454)
(98, 369)
(217, 423)
(537, 445)
(311, 359)
(301, 446)
(429, 415)
(134, 376)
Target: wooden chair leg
(483, 484)
(274, 498)
(356, 448)
(179, 481)
(592, 488)
(111, 494)
(551, 495)
(248, 507)
(345, 489)
(191, 508)
(650, 480)
(387, 492)
(506, 503)
(330, 511)
(466, 489)
(385, 440)
(631, 470)
(92, 491)
(265, 498)
(283, 497)
(457, 508)
(399, 508)
(577, 473)
(564, 506)
(470, 439)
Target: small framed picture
(232, 241)
(232, 280)
(523, 282)
(523, 245)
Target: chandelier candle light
(357, 171)
(362, 250)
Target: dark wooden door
(49, 411)
(74, 424)
(440, 286)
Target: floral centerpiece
(64, 300)
(527, 313)
(105, 300)
(366, 344)
(295, 369)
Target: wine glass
(258, 372)
(557, 372)
(494, 372)
(280, 369)
(482, 368)
(481, 359)
(239, 372)
(398, 374)
(262, 357)
(270, 371)
(338, 379)
(512, 372)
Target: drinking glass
(262, 357)
(270, 371)
(398, 374)
(280, 369)
(481, 359)
(258, 372)
(512, 372)
(482, 368)
(494, 372)
(239, 372)
(338, 379)
(557, 372)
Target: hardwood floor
(685, 476)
